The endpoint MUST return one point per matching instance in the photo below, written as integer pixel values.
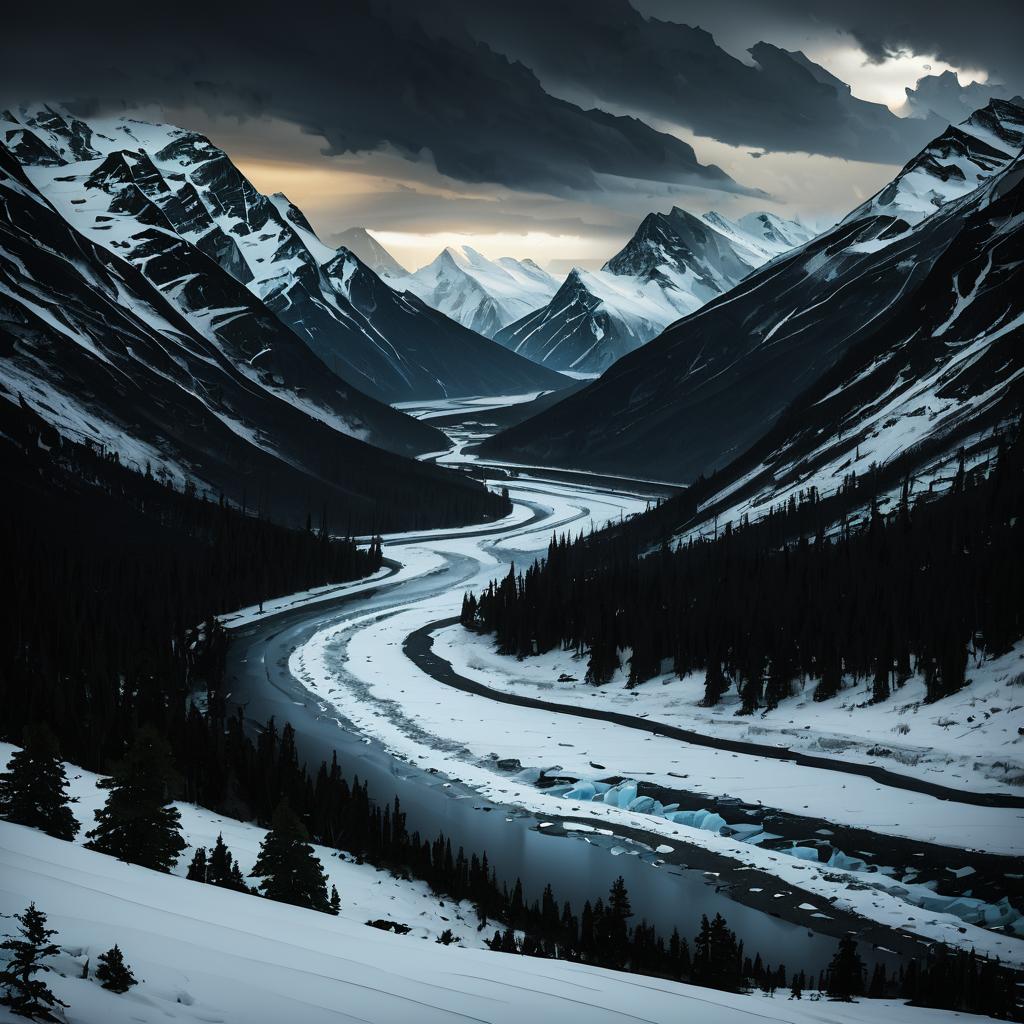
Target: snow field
(209, 955)
(971, 737)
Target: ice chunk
(803, 852)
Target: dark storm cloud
(678, 73)
(985, 34)
(345, 72)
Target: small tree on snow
(137, 824)
(846, 972)
(113, 973)
(27, 995)
(290, 871)
(33, 790)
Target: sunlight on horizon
(415, 250)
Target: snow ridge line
(418, 648)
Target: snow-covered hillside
(206, 954)
(481, 294)
(672, 265)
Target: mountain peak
(359, 241)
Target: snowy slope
(672, 265)
(481, 294)
(128, 176)
(207, 954)
(951, 166)
(719, 379)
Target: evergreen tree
(198, 869)
(878, 982)
(137, 824)
(33, 791)
(616, 922)
(113, 973)
(796, 989)
(223, 870)
(717, 957)
(27, 995)
(335, 908)
(289, 870)
(846, 972)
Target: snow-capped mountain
(593, 319)
(145, 345)
(371, 252)
(481, 294)
(951, 166)
(672, 265)
(116, 176)
(871, 296)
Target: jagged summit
(673, 264)
(480, 293)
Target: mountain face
(360, 242)
(672, 265)
(481, 294)
(148, 348)
(593, 319)
(932, 385)
(119, 176)
(702, 393)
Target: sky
(540, 128)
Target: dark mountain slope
(103, 355)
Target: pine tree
(137, 824)
(26, 995)
(796, 989)
(289, 870)
(113, 973)
(616, 922)
(223, 869)
(33, 791)
(878, 982)
(198, 869)
(717, 958)
(846, 972)
(335, 901)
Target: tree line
(110, 571)
(912, 590)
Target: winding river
(671, 892)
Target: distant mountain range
(481, 294)
(899, 330)
(672, 265)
